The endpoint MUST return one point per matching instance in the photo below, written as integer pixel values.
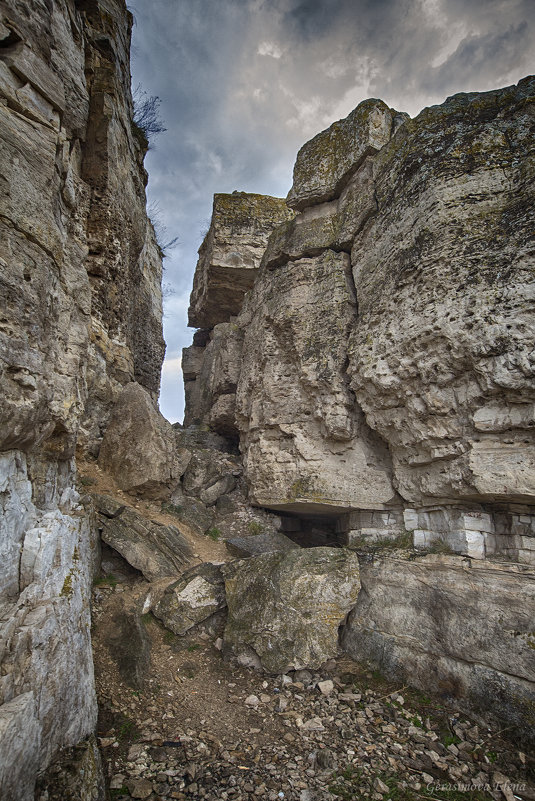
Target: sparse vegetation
(171, 508)
(127, 730)
(351, 783)
(440, 546)
(119, 793)
(402, 541)
(161, 233)
(87, 481)
(109, 579)
(146, 121)
(255, 527)
(214, 534)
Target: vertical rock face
(230, 254)
(305, 442)
(81, 316)
(229, 259)
(442, 356)
(383, 358)
(380, 382)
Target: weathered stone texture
(379, 377)
(77, 774)
(81, 316)
(194, 597)
(325, 164)
(256, 544)
(152, 548)
(304, 440)
(441, 358)
(47, 697)
(230, 255)
(210, 378)
(140, 448)
(285, 608)
(453, 626)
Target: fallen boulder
(286, 607)
(140, 448)
(154, 549)
(254, 545)
(195, 596)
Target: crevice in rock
(9, 41)
(312, 530)
(31, 238)
(114, 567)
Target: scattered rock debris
(203, 728)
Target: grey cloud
(506, 50)
(244, 83)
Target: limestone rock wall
(441, 359)
(230, 254)
(383, 359)
(379, 380)
(229, 259)
(453, 626)
(305, 442)
(81, 316)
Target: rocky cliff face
(81, 316)
(362, 377)
(382, 359)
(379, 376)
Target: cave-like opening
(313, 530)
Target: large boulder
(256, 544)
(451, 625)
(285, 608)
(230, 255)
(325, 164)
(140, 448)
(152, 548)
(195, 596)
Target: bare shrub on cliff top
(147, 112)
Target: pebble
(252, 700)
(353, 741)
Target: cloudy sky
(244, 83)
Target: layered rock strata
(229, 258)
(81, 316)
(453, 626)
(381, 363)
(379, 381)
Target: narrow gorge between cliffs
(322, 584)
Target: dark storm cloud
(244, 83)
(504, 49)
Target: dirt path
(200, 728)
